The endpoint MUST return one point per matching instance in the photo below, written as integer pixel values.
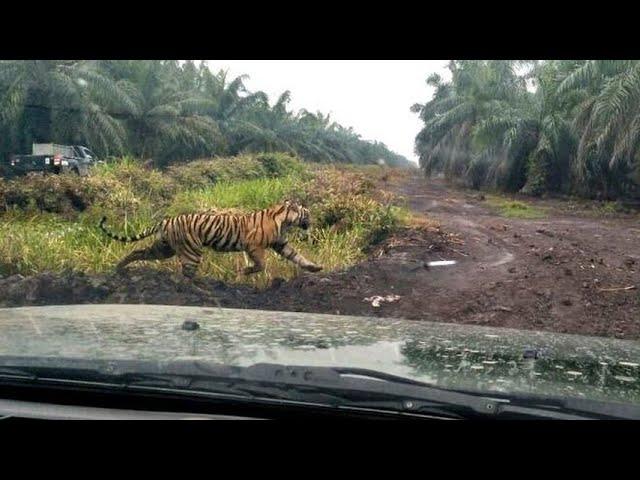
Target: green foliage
(165, 112)
(515, 208)
(577, 131)
(41, 236)
(202, 173)
(244, 195)
(278, 164)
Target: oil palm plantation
(608, 124)
(576, 131)
(168, 120)
(164, 110)
(468, 118)
(61, 101)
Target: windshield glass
(85, 151)
(465, 223)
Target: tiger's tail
(144, 234)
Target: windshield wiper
(308, 386)
(417, 397)
(326, 387)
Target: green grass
(248, 194)
(37, 241)
(515, 208)
(44, 243)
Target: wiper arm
(568, 407)
(323, 386)
(362, 388)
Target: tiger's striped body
(188, 235)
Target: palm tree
(61, 101)
(167, 122)
(166, 110)
(608, 121)
(466, 119)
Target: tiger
(187, 236)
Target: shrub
(135, 177)
(203, 173)
(245, 195)
(63, 194)
(280, 164)
(346, 218)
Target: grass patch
(346, 218)
(332, 250)
(44, 242)
(247, 195)
(515, 208)
(611, 208)
(418, 222)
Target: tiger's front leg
(285, 250)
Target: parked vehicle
(52, 158)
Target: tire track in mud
(544, 274)
(489, 251)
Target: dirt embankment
(563, 273)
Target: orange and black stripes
(188, 234)
(220, 231)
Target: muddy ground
(564, 273)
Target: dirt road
(557, 273)
(563, 273)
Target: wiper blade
(334, 387)
(120, 375)
(320, 386)
(568, 407)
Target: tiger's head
(294, 215)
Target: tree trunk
(38, 118)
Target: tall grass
(345, 220)
(44, 243)
(248, 194)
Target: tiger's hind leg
(257, 256)
(285, 250)
(158, 251)
(190, 259)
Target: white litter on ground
(377, 299)
(441, 263)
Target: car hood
(443, 354)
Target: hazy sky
(372, 96)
